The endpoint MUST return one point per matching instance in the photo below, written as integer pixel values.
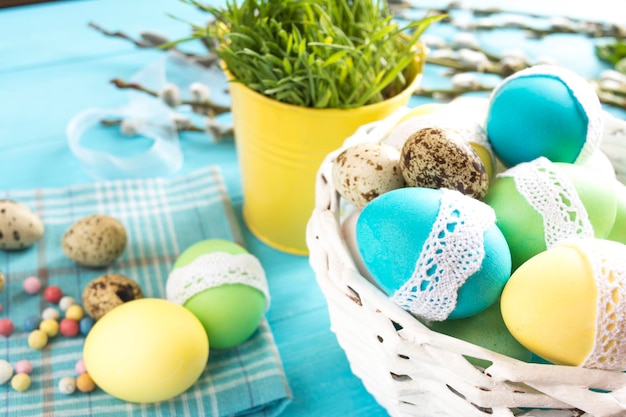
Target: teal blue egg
(542, 111)
(394, 229)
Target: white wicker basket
(413, 371)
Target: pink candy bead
(6, 327)
(23, 367)
(31, 285)
(80, 367)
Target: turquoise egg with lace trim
(437, 253)
(544, 111)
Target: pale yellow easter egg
(421, 110)
(568, 303)
(146, 350)
(549, 305)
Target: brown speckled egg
(108, 291)
(94, 241)
(20, 227)
(440, 158)
(364, 171)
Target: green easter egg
(230, 313)
(597, 195)
(523, 227)
(618, 230)
(207, 246)
(485, 329)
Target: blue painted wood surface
(52, 66)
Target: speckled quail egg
(20, 227)
(108, 291)
(364, 171)
(438, 157)
(94, 241)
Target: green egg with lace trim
(618, 230)
(538, 203)
(224, 286)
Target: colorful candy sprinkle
(50, 313)
(6, 372)
(6, 327)
(50, 327)
(31, 285)
(24, 367)
(65, 302)
(75, 312)
(53, 294)
(80, 367)
(67, 385)
(37, 339)
(69, 327)
(86, 323)
(2, 281)
(31, 323)
(84, 383)
(20, 382)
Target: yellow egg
(146, 350)
(566, 304)
(486, 156)
(421, 110)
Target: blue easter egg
(417, 241)
(544, 111)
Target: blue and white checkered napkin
(162, 218)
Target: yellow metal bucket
(280, 148)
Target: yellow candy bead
(75, 312)
(37, 339)
(20, 382)
(50, 327)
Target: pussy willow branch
(208, 107)
(214, 129)
(206, 60)
(121, 35)
(589, 28)
(186, 128)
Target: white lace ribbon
(453, 251)
(212, 270)
(609, 270)
(553, 196)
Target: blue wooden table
(52, 66)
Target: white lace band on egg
(586, 96)
(553, 196)
(609, 271)
(212, 270)
(453, 251)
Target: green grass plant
(314, 53)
